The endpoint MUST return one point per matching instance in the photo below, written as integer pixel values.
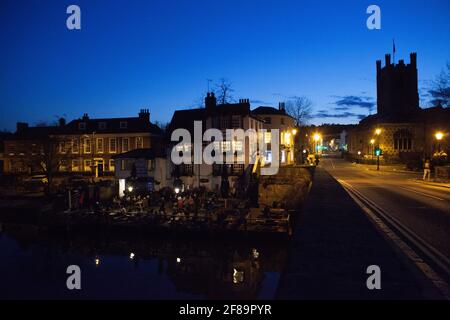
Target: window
(102, 125)
(62, 147)
(237, 145)
(82, 126)
(123, 165)
(75, 165)
(225, 123)
(87, 165)
(268, 120)
(283, 156)
(282, 120)
(112, 165)
(87, 145)
(112, 145)
(123, 124)
(75, 146)
(99, 145)
(267, 137)
(125, 144)
(402, 140)
(139, 142)
(226, 146)
(63, 165)
(236, 122)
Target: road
(420, 213)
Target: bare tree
(440, 90)
(224, 91)
(47, 156)
(300, 108)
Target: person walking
(426, 170)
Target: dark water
(33, 266)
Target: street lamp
(378, 131)
(439, 136)
(317, 137)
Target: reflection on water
(33, 265)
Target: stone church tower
(397, 89)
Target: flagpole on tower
(393, 49)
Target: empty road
(418, 213)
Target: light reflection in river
(33, 265)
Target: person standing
(426, 170)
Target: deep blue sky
(158, 54)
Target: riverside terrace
(265, 208)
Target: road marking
(374, 211)
(421, 193)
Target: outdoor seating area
(165, 210)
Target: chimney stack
(85, 116)
(282, 106)
(144, 114)
(210, 100)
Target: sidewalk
(334, 243)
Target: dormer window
(123, 124)
(102, 125)
(82, 126)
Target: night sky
(158, 54)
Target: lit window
(112, 145)
(75, 146)
(112, 165)
(139, 143)
(75, 165)
(100, 145)
(125, 144)
(87, 145)
(237, 145)
(267, 137)
(87, 165)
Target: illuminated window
(87, 145)
(226, 146)
(112, 165)
(75, 146)
(283, 156)
(62, 147)
(125, 144)
(139, 142)
(87, 165)
(100, 145)
(112, 145)
(237, 146)
(267, 137)
(76, 165)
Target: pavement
(334, 243)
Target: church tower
(397, 88)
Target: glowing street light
(317, 137)
(130, 189)
(439, 136)
(97, 262)
(131, 255)
(178, 260)
(294, 131)
(378, 131)
(372, 141)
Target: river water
(33, 266)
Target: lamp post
(439, 136)
(317, 138)
(372, 143)
(378, 132)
